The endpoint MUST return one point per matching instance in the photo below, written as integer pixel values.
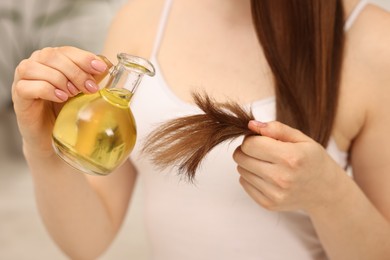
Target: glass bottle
(95, 133)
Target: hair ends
(184, 142)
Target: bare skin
(351, 217)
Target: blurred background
(27, 25)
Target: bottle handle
(101, 76)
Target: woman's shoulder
(134, 28)
(367, 53)
(365, 99)
(369, 39)
(365, 89)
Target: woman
(295, 201)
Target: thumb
(278, 131)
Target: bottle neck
(123, 77)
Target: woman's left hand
(282, 169)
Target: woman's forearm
(71, 210)
(351, 227)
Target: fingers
(76, 65)
(262, 148)
(250, 164)
(34, 71)
(257, 195)
(62, 72)
(87, 61)
(278, 143)
(268, 194)
(262, 169)
(55, 74)
(256, 180)
(39, 89)
(278, 131)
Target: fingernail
(99, 65)
(72, 88)
(91, 86)
(61, 94)
(258, 123)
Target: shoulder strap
(161, 27)
(354, 14)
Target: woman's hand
(43, 82)
(282, 169)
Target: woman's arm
(362, 217)
(285, 170)
(81, 213)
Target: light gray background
(22, 235)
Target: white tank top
(213, 218)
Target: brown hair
(185, 141)
(303, 43)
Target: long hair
(303, 42)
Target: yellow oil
(96, 132)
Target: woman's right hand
(42, 83)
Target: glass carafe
(95, 133)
